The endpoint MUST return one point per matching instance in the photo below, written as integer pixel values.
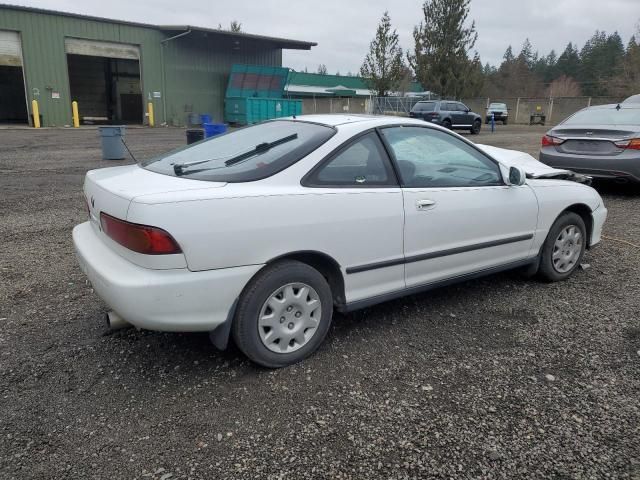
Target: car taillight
(139, 238)
(549, 141)
(633, 144)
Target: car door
(460, 217)
(466, 116)
(449, 110)
(358, 189)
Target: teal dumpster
(249, 110)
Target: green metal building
(113, 68)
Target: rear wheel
(475, 129)
(283, 315)
(564, 248)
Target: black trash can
(194, 135)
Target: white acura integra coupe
(260, 233)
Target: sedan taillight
(549, 141)
(139, 238)
(633, 144)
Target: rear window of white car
(244, 155)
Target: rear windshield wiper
(179, 168)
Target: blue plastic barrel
(205, 118)
(213, 129)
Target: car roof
(333, 119)
(633, 99)
(337, 119)
(626, 106)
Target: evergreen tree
(383, 67)
(508, 55)
(569, 61)
(526, 54)
(600, 59)
(442, 41)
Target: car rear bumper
(623, 167)
(176, 300)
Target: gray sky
(344, 28)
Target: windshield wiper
(260, 148)
(179, 168)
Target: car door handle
(425, 204)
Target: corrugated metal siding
(198, 67)
(45, 62)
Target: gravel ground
(495, 378)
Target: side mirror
(467, 110)
(517, 176)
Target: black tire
(547, 270)
(245, 329)
(477, 125)
(446, 123)
(504, 122)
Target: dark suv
(447, 113)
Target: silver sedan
(601, 141)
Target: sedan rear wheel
(564, 247)
(283, 315)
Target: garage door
(94, 48)
(10, 51)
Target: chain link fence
(521, 109)
(396, 105)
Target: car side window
(430, 158)
(462, 107)
(362, 163)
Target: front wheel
(564, 248)
(283, 315)
(446, 123)
(475, 129)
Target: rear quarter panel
(353, 226)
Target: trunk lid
(592, 139)
(111, 190)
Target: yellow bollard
(150, 111)
(36, 113)
(74, 114)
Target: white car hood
(514, 158)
